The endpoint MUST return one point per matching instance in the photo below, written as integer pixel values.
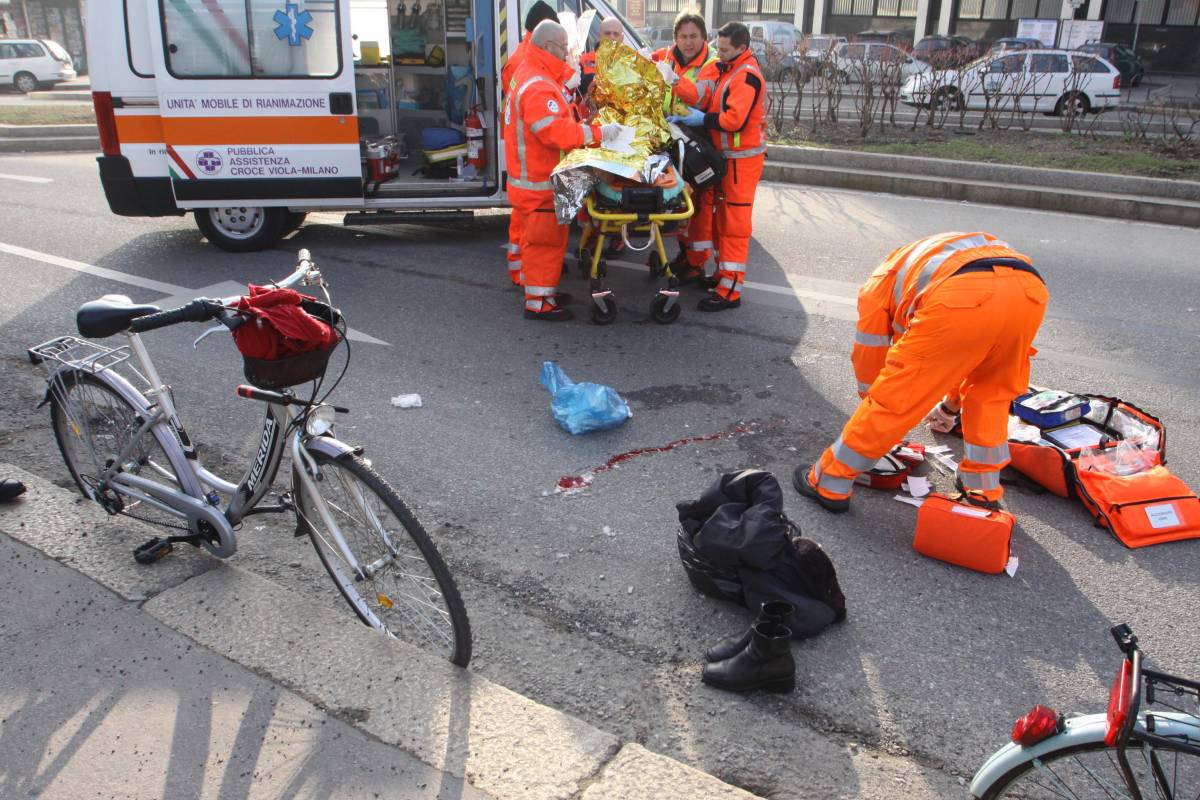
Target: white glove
(940, 420)
(667, 72)
(573, 82)
(610, 131)
(644, 52)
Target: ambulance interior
(421, 67)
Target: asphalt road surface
(579, 600)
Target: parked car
(1009, 43)
(901, 39)
(944, 52)
(820, 47)
(1123, 58)
(857, 60)
(777, 65)
(1045, 80)
(783, 36)
(657, 38)
(30, 64)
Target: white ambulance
(251, 113)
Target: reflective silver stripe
(535, 186)
(732, 266)
(514, 266)
(994, 456)
(757, 151)
(864, 387)
(700, 246)
(914, 255)
(724, 137)
(540, 291)
(516, 101)
(872, 339)
(852, 459)
(542, 124)
(587, 135)
(727, 283)
(534, 305)
(834, 484)
(979, 481)
(896, 326)
(514, 248)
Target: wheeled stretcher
(616, 207)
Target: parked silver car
(858, 60)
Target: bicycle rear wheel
(92, 423)
(1092, 771)
(403, 588)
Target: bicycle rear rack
(71, 351)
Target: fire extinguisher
(476, 155)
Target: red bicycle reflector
(1119, 698)
(1040, 723)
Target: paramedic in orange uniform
(735, 117)
(690, 69)
(611, 30)
(948, 316)
(540, 11)
(538, 129)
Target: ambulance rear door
(258, 102)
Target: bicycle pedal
(154, 550)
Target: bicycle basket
(705, 575)
(292, 370)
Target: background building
(60, 20)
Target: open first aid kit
(1112, 456)
(964, 535)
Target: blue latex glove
(694, 119)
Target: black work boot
(771, 611)
(766, 663)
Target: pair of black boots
(761, 658)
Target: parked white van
(1046, 81)
(31, 64)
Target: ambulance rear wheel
(294, 220)
(605, 316)
(242, 229)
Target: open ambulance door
(257, 100)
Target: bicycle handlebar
(199, 310)
(304, 266)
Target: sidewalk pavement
(193, 678)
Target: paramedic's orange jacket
(509, 71)
(736, 118)
(892, 295)
(697, 78)
(538, 124)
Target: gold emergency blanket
(627, 89)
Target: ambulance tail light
(106, 122)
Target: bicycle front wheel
(402, 586)
(1092, 771)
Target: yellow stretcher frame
(611, 223)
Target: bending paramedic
(735, 117)
(949, 316)
(538, 129)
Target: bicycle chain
(154, 521)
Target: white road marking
(25, 178)
(175, 295)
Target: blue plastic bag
(582, 407)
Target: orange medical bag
(965, 535)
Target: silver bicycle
(118, 428)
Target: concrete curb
(500, 742)
(1124, 197)
(49, 138)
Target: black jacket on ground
(739, 526)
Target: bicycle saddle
(109, 315)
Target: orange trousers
(974, 329)
(697, 241)
(516, 224)
(543, 247)
(734, 213)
